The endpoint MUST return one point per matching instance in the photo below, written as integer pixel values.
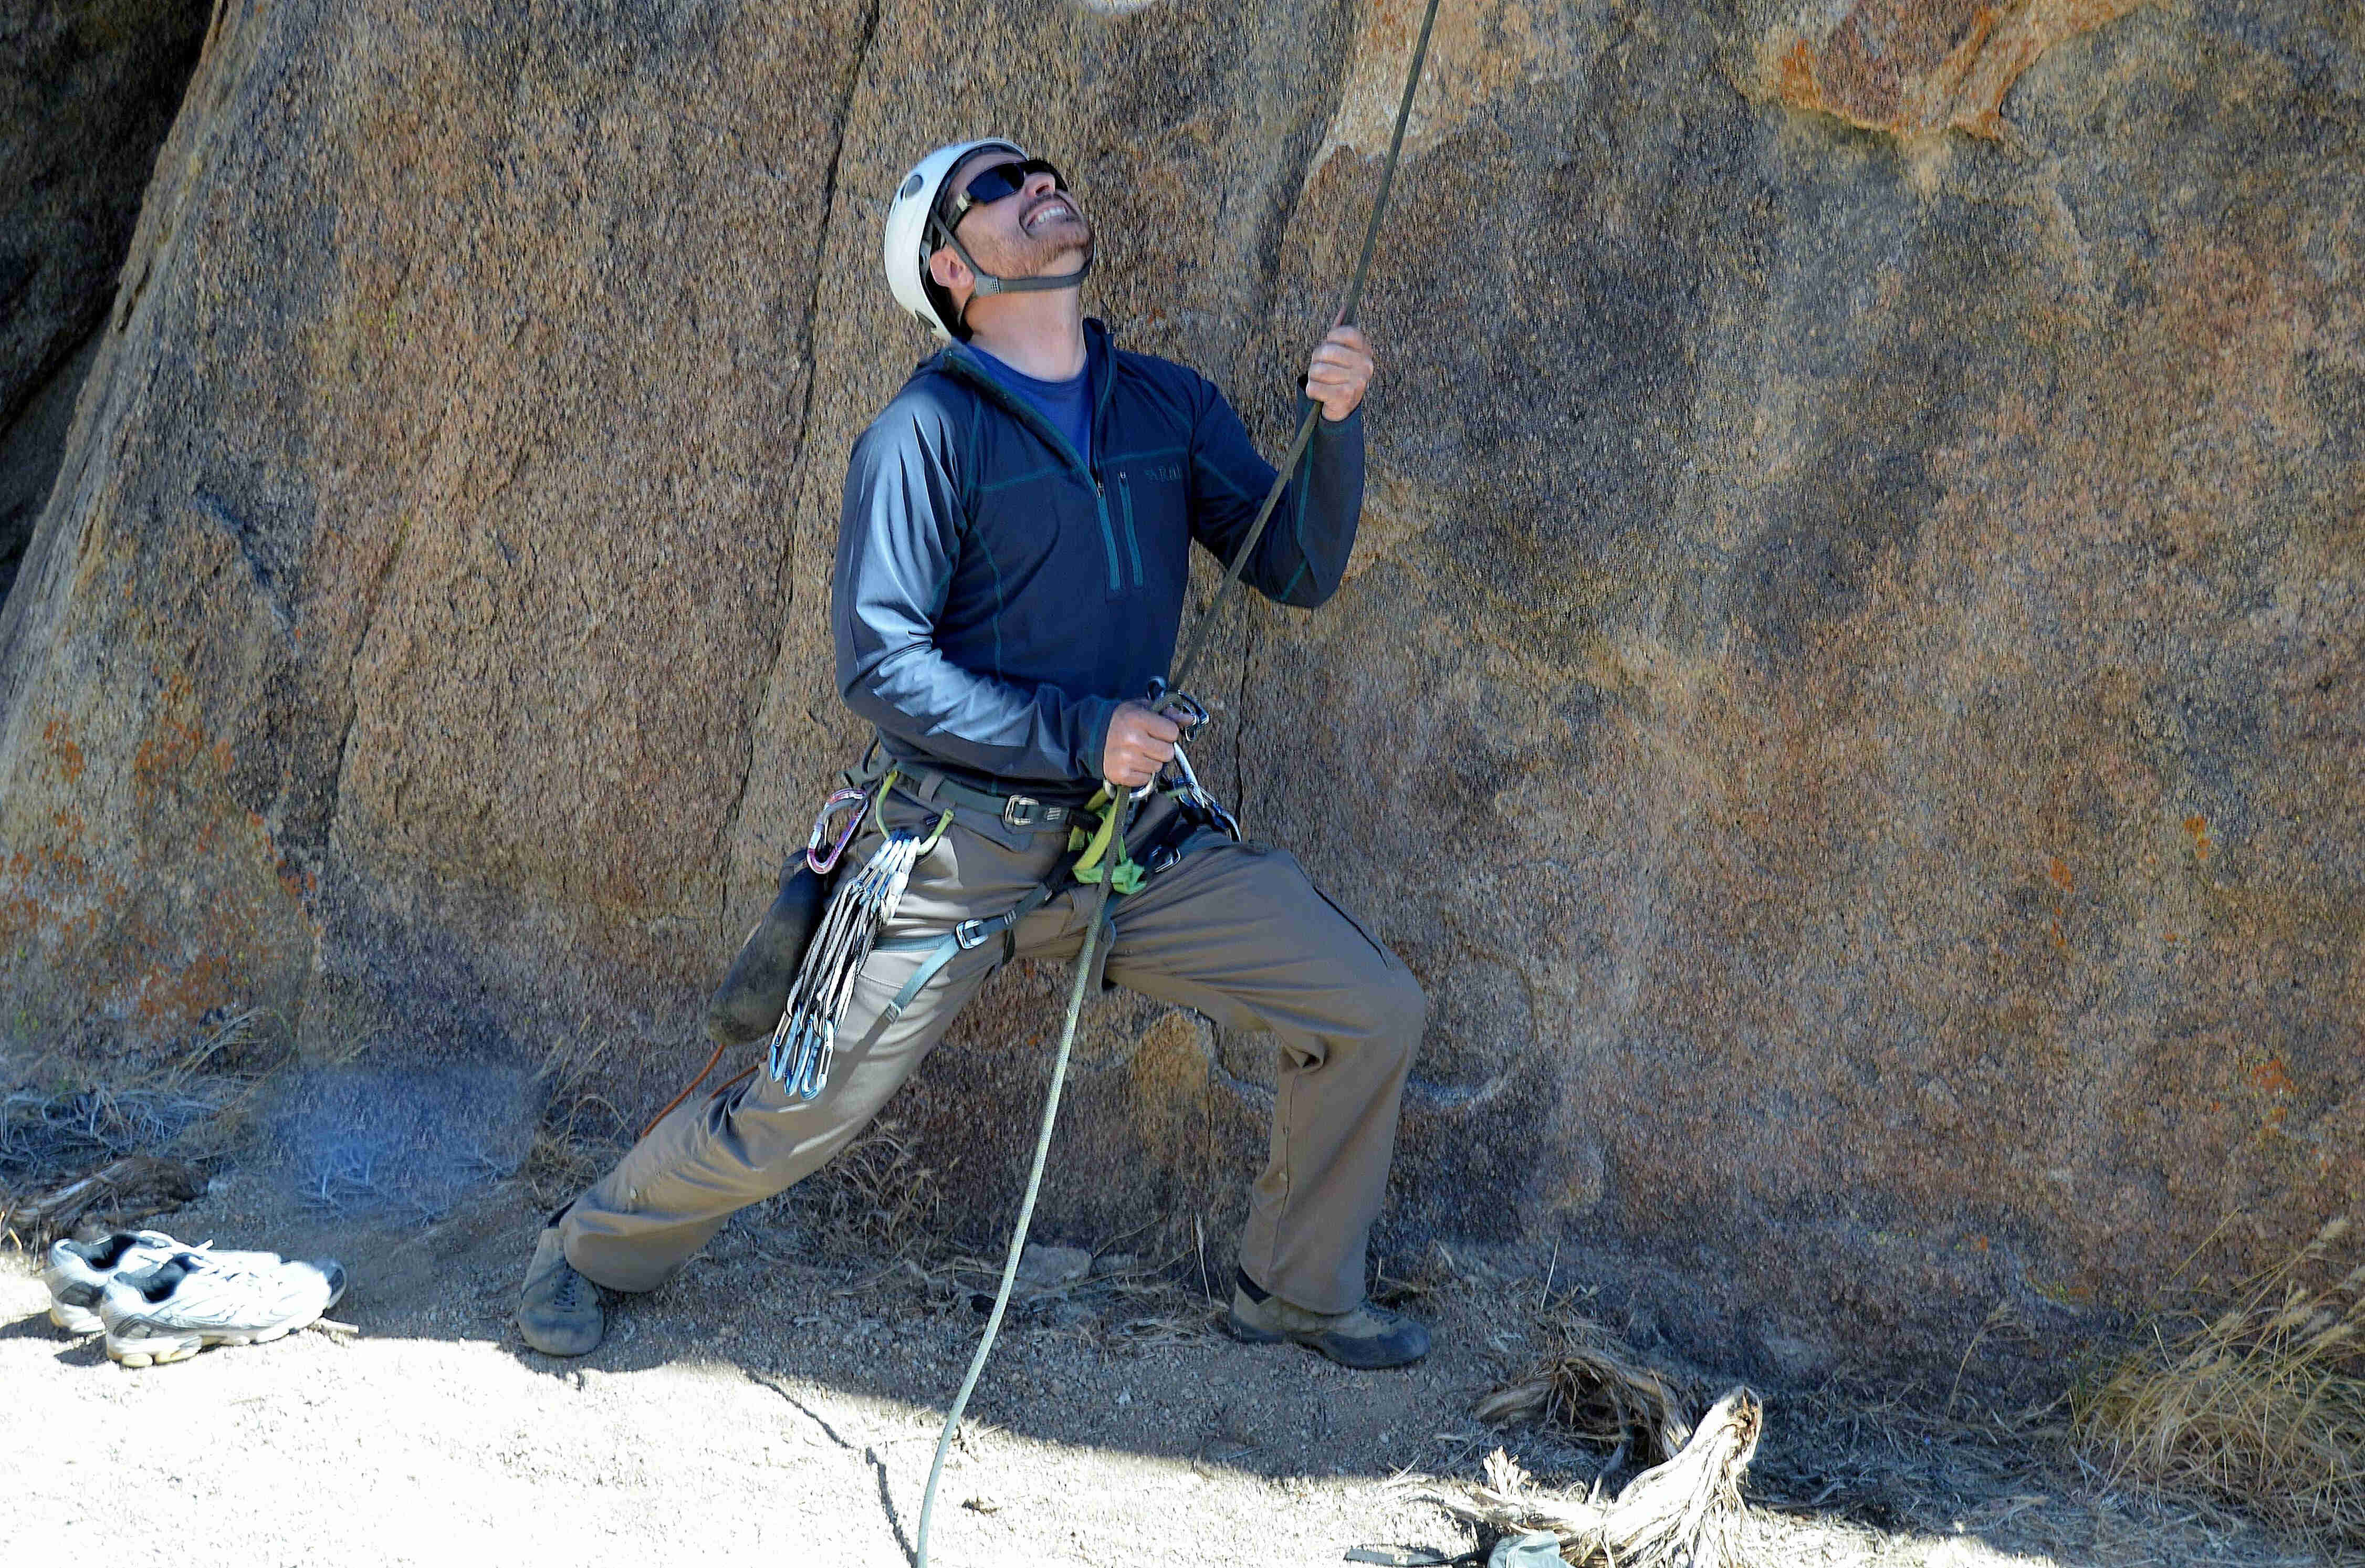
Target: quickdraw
(805, 1042)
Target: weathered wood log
(119, 1193)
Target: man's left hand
(1341, 369)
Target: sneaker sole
(159, 1350)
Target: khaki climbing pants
(1235, 930)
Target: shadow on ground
(854, 1356)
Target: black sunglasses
(997, 183)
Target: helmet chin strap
(988, 284)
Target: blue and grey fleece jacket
(998, 596)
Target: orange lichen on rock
(1916, 68)
(61, 747)
(172, 743)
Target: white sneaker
(172, 1311)
(78, 1271)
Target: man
(1012, 559)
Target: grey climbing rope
(1123, 801)
(1201, 633)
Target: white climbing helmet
(915, 230)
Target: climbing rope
(1201, 633)
(1122, 803)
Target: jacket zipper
(1060, 444)
(1108, 537)
(1132, 538)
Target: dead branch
(1682, 1514)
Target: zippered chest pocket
(1114, 503)
(1151, 536)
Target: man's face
(1039, 231)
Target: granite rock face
(87, 89)
(1849, 695)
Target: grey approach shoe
(1367, 1336)
(558, 1311)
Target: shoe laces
(210, 1262)
(568, 1294)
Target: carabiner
(815, 1076)
(1185, 709)
(1199, 795)
(821, 865)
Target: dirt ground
(778, 1403)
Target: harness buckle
(1019, 811)
(972, 934)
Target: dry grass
(1435, 1274)
(572, 1148)
(1592, 1386)
(80, 1149)
(2261, 1405)
(1684, 1508)
(123, 1192)
(877, 1195)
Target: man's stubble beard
(1047, 256)
(1053, 263)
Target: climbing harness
(1091, 850)
(866, 898)
(1120, 808)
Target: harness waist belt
(929, 787)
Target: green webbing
(1120, 818)
(879, 799)
(1121, 871)
(1097, 844)
(937, 834)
